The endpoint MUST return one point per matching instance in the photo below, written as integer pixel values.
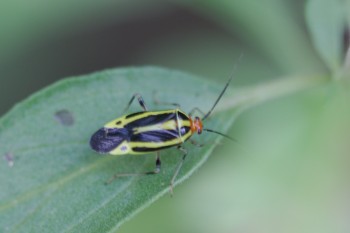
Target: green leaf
(52, 181)
(326, 22)
(57, 182)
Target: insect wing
(155, 136)
(106, 139)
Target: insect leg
(158, 102)
(198, 110)
(184, 151)
(155, 171)
(158, 166)
(195, 143)
(141, 102)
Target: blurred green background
(286, 174)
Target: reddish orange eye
(198, 124)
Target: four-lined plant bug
(151, 131)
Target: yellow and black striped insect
(151, 131)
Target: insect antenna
(223, 91)
(218, 99)
(224, 135)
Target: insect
(151, 131)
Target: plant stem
(247, 97)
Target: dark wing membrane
(155, 136)
(105, 140)
(151, 120)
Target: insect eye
(198, 125)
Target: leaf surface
(51, 181)
(50, 178)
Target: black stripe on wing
(149, 149)
(155, 136)
(150, 120)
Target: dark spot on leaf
(9, 159)
(118, 123)
(64, 117)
